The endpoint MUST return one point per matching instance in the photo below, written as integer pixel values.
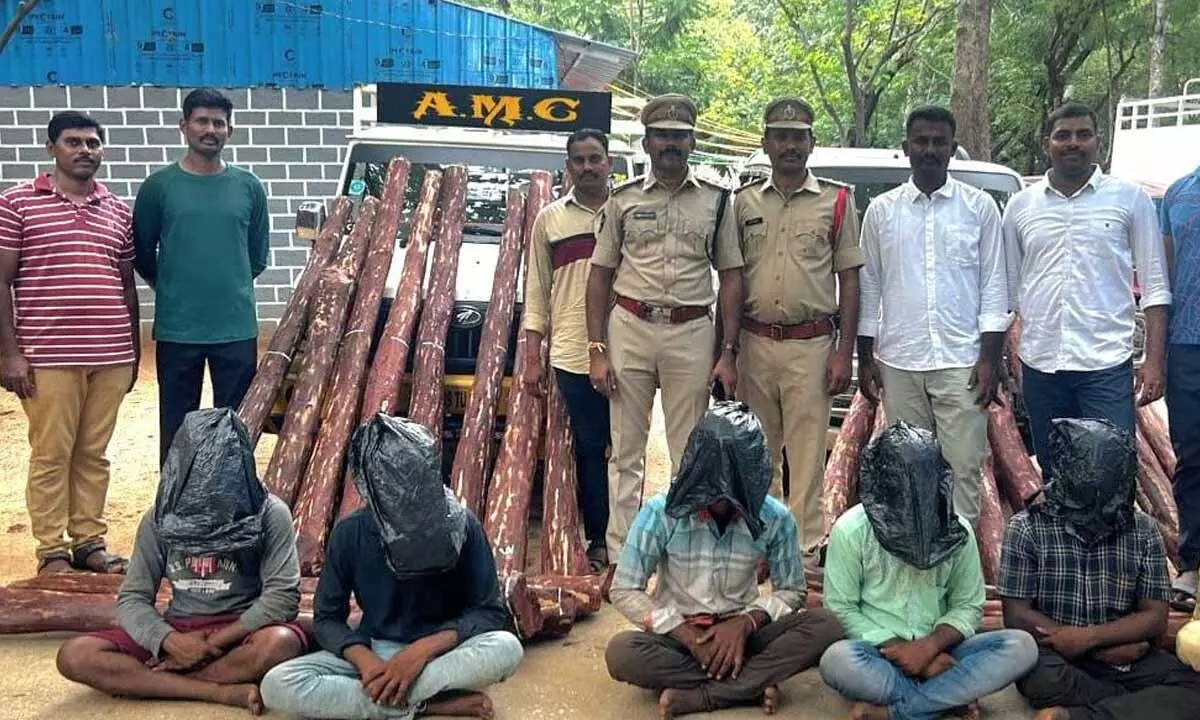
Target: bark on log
(562, 549)
(522, 604)
(37, 611)
(989, 528)
(588, 590)
(881, 422)
(1012, 349)
(559, 611)
(292, 451)
(509, 494)
(391, 356)
(429, 365)
(1150, 424)
(1157, 487)
(1019, 480)
(275, 363)
(321, 488)
(844, 460)
(79, 583)
(470, 457)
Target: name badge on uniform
(754, 221)
(645, 215)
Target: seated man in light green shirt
(902, 575)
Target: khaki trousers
(939, 401)
(71, 419)
(783, 382)
(647, 356)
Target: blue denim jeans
(983, 664)
(1183, 413)
(323, 685)
(1106, 394)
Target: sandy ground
(559, 679)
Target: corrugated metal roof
(292, 43)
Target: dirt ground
(559, 679)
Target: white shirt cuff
(868, 328)
(994, 322)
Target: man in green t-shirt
(201, 233)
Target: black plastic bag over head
(209, 496)
(1093, 477)
(398, 471)
(726, 459)
(906, 489)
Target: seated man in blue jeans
(434, 631)
(902, 575)
(1087, 574)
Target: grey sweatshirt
(260, 584)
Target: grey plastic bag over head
(906, 489)
(1093, 478)
(398, 471)
(209, 496)
(726, 459)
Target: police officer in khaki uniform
(798, 234)
(658, 239)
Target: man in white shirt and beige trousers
(935, 303)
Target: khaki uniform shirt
(556, 278)
(791, 261)
(661, 242)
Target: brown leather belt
(802, 331)
(662, 314)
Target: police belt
(660, 313)
(827, 325)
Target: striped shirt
(704, 572)
(556, 280)
(70, 301)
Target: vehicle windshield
(869, 183)
(491, 172)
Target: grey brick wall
(292, 139)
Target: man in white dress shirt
(1072, 241)
(935, 303)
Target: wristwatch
(598, 346)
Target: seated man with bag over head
(710, 639)
(229, 551)
(434, 631)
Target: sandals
(46, 560)
(1182, 600)
(110, 564)
(597, 559)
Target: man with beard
(710, 639)
(1073, 241)
(1087, 575)
(434, 632)
(555, 293)
(202, 234)
(69, 344)
(935, 303)
(902, 575)
(658, 240)
(799, 238)
(228, 550)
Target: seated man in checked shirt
(1086, 574)
(711, 640)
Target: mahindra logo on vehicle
(467, 317)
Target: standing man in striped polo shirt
(202, 234)
(69, 347)
(555, 296)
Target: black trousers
(181, 376)
(1183, 411)
(588, 411)
(1157, 687)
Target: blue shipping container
(248, 43)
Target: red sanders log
(559, 610)
(291, 455)
(842, 469)
(1150, 424)
(1018, 479)
(989, 528)
(588, 590)
(391, 356)
(37, 611)
(429, 365)
(512, 479)
(471, 455)
(320, 489)
(1157, 487)
(274, 365)
(522, 604)
(562, 549)
(87, 583)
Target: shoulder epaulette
(628, 183)
(752, 183)
(835, 183)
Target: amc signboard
(493, 108)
